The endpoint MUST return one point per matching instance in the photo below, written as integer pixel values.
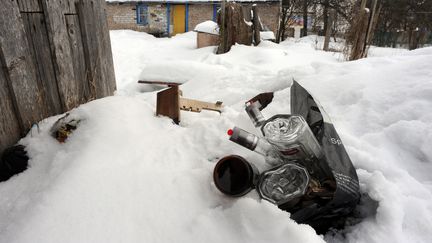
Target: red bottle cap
(230, 132)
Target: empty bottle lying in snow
(287, 139)
(312, 175)
(292, 137)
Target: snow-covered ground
(126, 175)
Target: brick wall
(123, 16)
(157, 18)
(199, 13)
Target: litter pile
(126, 175)
(312, 176)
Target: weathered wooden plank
(29, 6)
(62, 57)
(107, 58)
(19, 69)
(97, 47)
(35, 61)
(90, 45)
(40, 49)
(69, 6)
(9, 128)
(78, 60)
(198, 105)
(159, 82)
(168, 103)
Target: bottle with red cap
(256, 144)
(286, 137)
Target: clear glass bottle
(283, 184)
(292, 137)
(253, 110)
(256, 144)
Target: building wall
(123, 16)
(268, 12)
(269, 15)
(157, 19)
(199, 13)
(205, 39)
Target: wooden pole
(369, 28)
(222, 32)
(281, 22)
(305, 17)
(373, 20)
(256, 25)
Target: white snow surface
(126, 175)
(267, 35)
(208, 26)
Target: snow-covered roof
(185, 1)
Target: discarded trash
(34, 127)
(13, 161)
(312, 175)
(283, 184)
(234, 176)
(292, 137)
(170, 101)
(254, 143)
(64, 127)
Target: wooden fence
(55, 55)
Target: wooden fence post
(235, 30)
(9, 124)
(18, 68)
(43, 47)
(256, 25)
(59, 42)
(95, 37)
(222, 29)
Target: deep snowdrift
(128, 176)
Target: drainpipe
(168, 19)
(214, 12)
(187, 18)
(137, 13)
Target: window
(142, 14)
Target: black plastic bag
(347, 194)
(13, 161)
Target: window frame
(140, 9)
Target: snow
(385, 51)
(267, 35)
(208, 26)
(127, 176)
